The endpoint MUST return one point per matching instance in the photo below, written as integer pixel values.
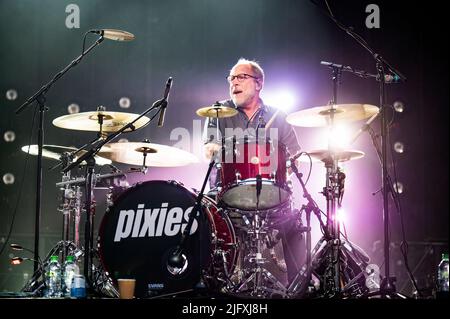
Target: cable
(21, 184)
(404, 243)
(310, 167)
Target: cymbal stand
(88, 156)
(332, 274)
(70, 208)
(387, 288)
(332, 280)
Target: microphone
(116, 35)
(388, 78)
(164, 102)
(176, 262)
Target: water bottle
(70, 270)
(53, 278)
(78, 289)
(443, 276)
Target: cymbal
(217, 110)
(88, 121)
(55, 152)
(325, 156)
(157, 155)
(321, 115)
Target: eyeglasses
(240, 77)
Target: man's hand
(210, 149)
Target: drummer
(246, 81)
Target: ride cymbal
(156, 155)
(89, 121)
(326, 115)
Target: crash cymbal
(88, 121)
(325, 156)
(321, 115)
(217, 110)
(157, 155)
(55, 152)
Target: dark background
(196, 42)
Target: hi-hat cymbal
(322, 115)
(88, 121)
(217, 110)
(326, 156)
(156, 155)
(55, 152)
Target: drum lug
(238, 176)
(289, 185)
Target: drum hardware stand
(387, 288)
(216, 107)
(259, 275)
(145, 151)
(88, 156)
(39, 97)
(332, 280)
(71, 203)
(333, 192)
(305, 275)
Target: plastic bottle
(78, 289)
(53, 278)
(70, 270)
(443, 275)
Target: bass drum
(143, 227)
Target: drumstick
(272, 119)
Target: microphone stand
(40, 98)
(387, 287)
(176, 260)
(90, 160)
(310, 207)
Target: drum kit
(224, 244)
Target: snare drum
(248, 164)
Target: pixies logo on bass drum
(153, 222)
